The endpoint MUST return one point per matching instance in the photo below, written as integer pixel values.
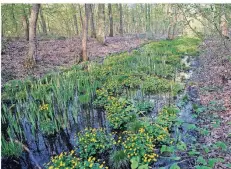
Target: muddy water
(42, 147)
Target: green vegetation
(45, 105)
(93, 141)
(10, 148)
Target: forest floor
(214, 82)
(55, 54)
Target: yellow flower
(91, 165)
(141, 130)
(101, 166)
(89, 159)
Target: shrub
(140, 145)
(93, 141)
(120, 111)
(69, 160)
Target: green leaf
(206, 149)
(213, 161)
(143, 166)
(174, 166)
(191, 126)
(221, 145)
(176, 158)
(193, 152)
(202, 167)
(181, 146)
(201, 160)
(228, 165)
(163, 149)
(134, 163)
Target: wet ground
(42, 147)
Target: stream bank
(69, 99)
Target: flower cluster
(101, 98)
(139, 145)
(69, 161)
(63, 161)
(90, 163)
(167, 116)
(43, 107)
(120, 111)
(93, 141)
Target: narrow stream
(43, 147)
(182, 133)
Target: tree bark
(224, 25)
(32, 53)
(84, 38)
(44, 27)
(110, 20)
(93, 31)
(76, 24)
(101, 24)
(81, 17)
(14, 19)
(25, 23)
(74, 16)
(121, 20)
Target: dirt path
(56, 54)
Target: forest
(115, 86)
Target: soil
(55, 54)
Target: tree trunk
(121, 20)
(174, 23)
(25, 23)
(76, 24)
(93, 31)
(101, 24)
(32, 53)
(110, 20)
(74, 16)
(44, 27)
(14, 19)
(224, 25)
(81, 17)
(84, 38)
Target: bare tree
(25, 24)
(93, 31)
(101, 24)
(75, 20)
(224, 24)
(32, 53)
(110, 20)
(85, 29)
(80, 14)
(44, 27)
(121, 20)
